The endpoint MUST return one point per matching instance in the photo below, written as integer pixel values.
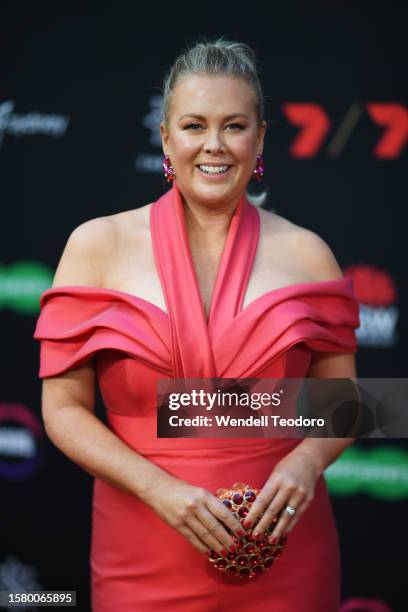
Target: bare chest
(133, 267)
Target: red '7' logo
(315, 124)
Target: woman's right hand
(196, 513)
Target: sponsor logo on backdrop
(22, 283)
(21, 438)
(145, 161)
(314, 126)
(27, 124)
(380, 472)
(377, 294)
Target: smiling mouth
(213, 170)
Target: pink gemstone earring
(168, 169)
(260, 168)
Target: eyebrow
(233, 116)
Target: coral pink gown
(139, 563)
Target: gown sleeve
(74, 323)
(328, 323)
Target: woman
(199, 283)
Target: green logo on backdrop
(21, 284)
(381, 472)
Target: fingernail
(232, 548)
(224, 552)
(273, 540)
(257, 534)
(247, 524)
(241, 533)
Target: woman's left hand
(292, 483)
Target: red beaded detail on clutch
(252, 557)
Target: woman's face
(212, 123)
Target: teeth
(213, 169)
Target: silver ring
(290, 510)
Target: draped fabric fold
(77, 321)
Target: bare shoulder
(303, 248)
(78, 264)
(138, 216)
(93, 244)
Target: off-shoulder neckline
(308, 285)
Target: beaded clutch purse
(252, 557)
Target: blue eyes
(198, 125)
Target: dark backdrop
(79, 98)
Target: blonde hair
(215, 57)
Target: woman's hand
(195, 512)
(292, 483)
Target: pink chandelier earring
(168, 169)
(260, 168)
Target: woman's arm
(293, 480)
(68, 399)
(68, 414)
(70, 423)
(323, 451)
(317, 256)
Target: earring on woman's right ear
(168, 169)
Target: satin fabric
(139, 562)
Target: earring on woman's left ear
(260, 168)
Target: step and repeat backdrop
(79, 138)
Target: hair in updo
(220, 57)
(217, 57)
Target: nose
(214, 142)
